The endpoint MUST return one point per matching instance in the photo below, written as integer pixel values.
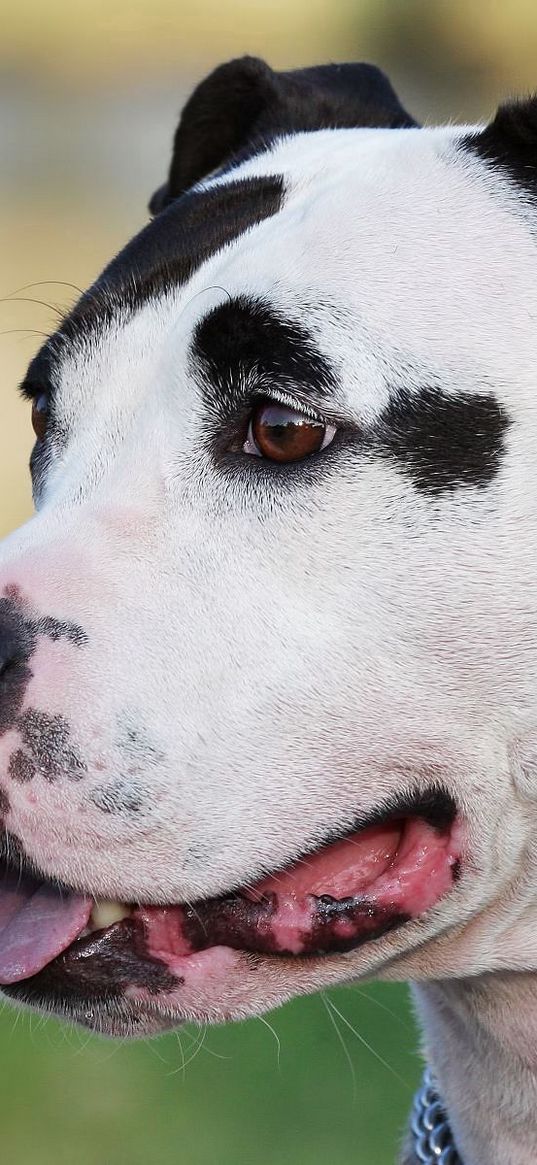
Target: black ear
(509, 143)
(244, 104)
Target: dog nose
(13, 649)
(17, 643)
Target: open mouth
(55, 943)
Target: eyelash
(278, 397)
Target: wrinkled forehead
(395, 249)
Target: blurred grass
(292, 1093)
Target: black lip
(243, 925)
(96, 970)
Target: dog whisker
(346, 1052)
(45, 283)
(353, 987)
(198, 1045)
(36, 302)
(26, 331)
(262, 1019)
(367, 1045)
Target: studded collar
(432, 1138)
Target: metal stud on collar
(433, 1139)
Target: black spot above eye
(248, 342)
(444, 442)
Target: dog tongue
(37, 922)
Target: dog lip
(347, 893)
(159, 950)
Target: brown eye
(40, 415)
(280, 433)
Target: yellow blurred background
(89, 98)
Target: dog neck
(481, 1042)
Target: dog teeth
(105, 913)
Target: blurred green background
(89, 96)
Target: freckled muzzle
(343, 895)
(44, 738)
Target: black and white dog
(269, 643)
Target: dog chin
(332, 914)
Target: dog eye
(40, 415)
(280, 433)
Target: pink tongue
(37, 922)
(344, 869)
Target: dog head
(268, 645)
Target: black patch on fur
(19, 635)
(243, 106)
(136, 745)
(55, 630)
(245, 347)
(21, 768)
(167, 252)
(47, 739)
(123, 795)
(509, 143)
(444, 442)
(5, 805)
(97, 969)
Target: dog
(269, 643)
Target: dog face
(275, 610)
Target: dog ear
(244, 103)
(509, 143)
